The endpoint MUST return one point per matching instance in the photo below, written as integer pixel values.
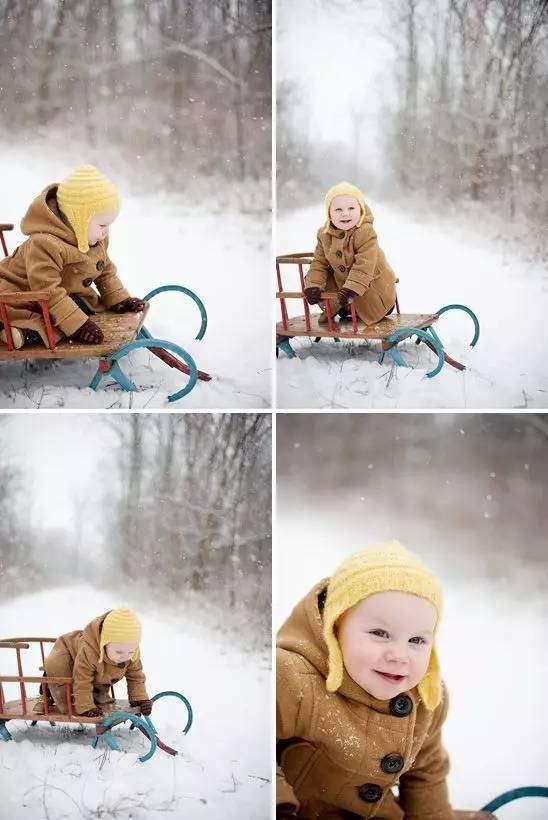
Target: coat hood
(44, 216)
(91, 634)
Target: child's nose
(396, 654)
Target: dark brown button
(338, 253)
(100, 265)
(392, 764)
(342, 268)
(87, 282)
(370, 792)
(330, 270)
(401, 706)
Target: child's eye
(417, 640)
(379, 633)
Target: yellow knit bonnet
(343, 189)
(382, 568)
(81, 196)
(120, 626)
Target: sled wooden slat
(296, 259)
(118, 329)
(12, 710)
(343, 330)
(8, 641)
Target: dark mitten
(346, 296)
(285, 811)
(89, 334)
(130, 305)
(313, 295)
(145, 706)
(96, 712)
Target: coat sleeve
(44, 263)
(363, 271)
(110, 285)
(293, 700)
(135, 678)
(319, 268)
(83, 673)
(423, 789)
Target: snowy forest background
(422, 101)
(172, 508)
(471, 490)
(169, 91)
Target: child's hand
(313, 295)
(96, 712)
(89, 334)
(130, 305)
(346, 296)
(145, 706)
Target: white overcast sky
(335, 54)
(64, 457)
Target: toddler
(360, 701)
(101, 654)
(66, 255)
(348, 260)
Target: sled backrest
(4, 226)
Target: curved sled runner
(36, 709)
(123, 333)
(390, 331)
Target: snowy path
(222, 255)
(437, 265)
(224, 770)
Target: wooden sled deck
(13, 710)
(297, 326)
(118, 329)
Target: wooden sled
(41, 708)
(123, 333)
(390, 331)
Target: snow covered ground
(224, 769)
(439, 261)
(493, 643)
(202, 243)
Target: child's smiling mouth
(389, 677)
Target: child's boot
(17, 335)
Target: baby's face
(386, 641)
(344, 212)
(118, 652)
(99, 225)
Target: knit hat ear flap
(336, 665)
(82, 195)
(430, 688)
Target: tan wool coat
(50, 260)
(353, 259)
(340, 754)
(76, 655)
